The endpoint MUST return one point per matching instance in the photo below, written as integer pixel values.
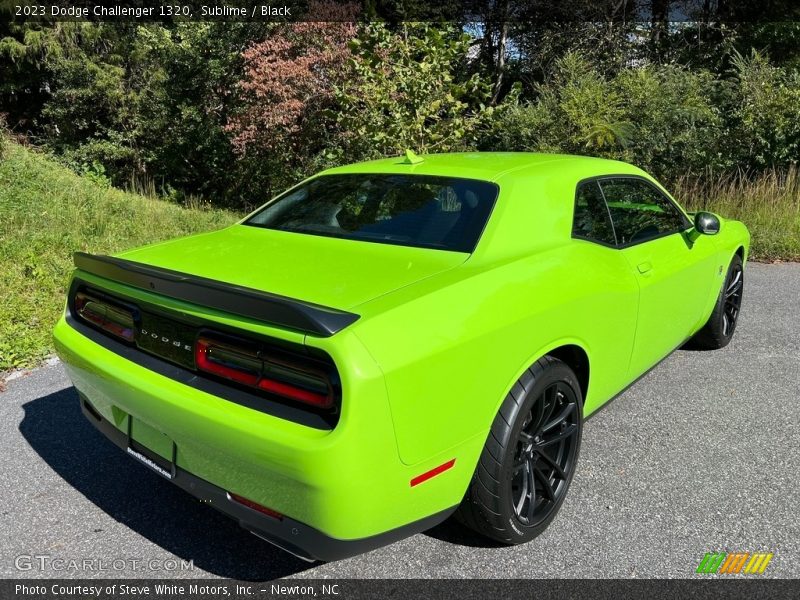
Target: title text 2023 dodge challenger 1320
(391, 342)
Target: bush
(576, 111)
(661, 118)
(410, 89)
(676, 122)
(767, 115)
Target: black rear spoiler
(246, 302)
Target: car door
(675, 275)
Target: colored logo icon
(735, 562)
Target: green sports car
(392, 342)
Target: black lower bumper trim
(292, 536)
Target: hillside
(46, 213)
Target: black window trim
(687, 224)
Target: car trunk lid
(332, 272)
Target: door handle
(644, 267)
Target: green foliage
(676, 120)
(183, 116)
(96, 173)
(148, 102)
(234, 112)
(409, 89)
(576, 111)
(47, 213)
(29, 53)
(667, 119)
(767, 111)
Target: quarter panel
(451, 354)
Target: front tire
(529, 458)
(721, 325)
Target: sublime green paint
(441, 339)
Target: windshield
(412, 210)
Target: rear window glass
(412, 210)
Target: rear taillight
(236, 365)
(257, 368)
(255, 506)
(110, 317)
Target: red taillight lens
(250, 367)
(295, 393)
(255, 506)
(227, 362)
(114, 319)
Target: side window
(591, 220)
(639, 211)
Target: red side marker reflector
(433, 472)
(255, 506)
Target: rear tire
(529, 458)
(721, 325)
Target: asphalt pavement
(700, 455)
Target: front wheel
(529, 458)
(719, 329)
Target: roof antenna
(411, 158)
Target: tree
(767, 114)
(29, 54)
(288, 86)
(410, 89)
(147, 103)
(182, 122)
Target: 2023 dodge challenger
(391, 342)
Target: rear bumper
(292, 536)
(342, 491)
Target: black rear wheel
(530, 455)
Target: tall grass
(47, 213)
(769, 204)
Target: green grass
(769, 205)
(47, 213)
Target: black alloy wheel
(546, 451)
(529, 458)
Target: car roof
(489, 166)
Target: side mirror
(706, 223)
